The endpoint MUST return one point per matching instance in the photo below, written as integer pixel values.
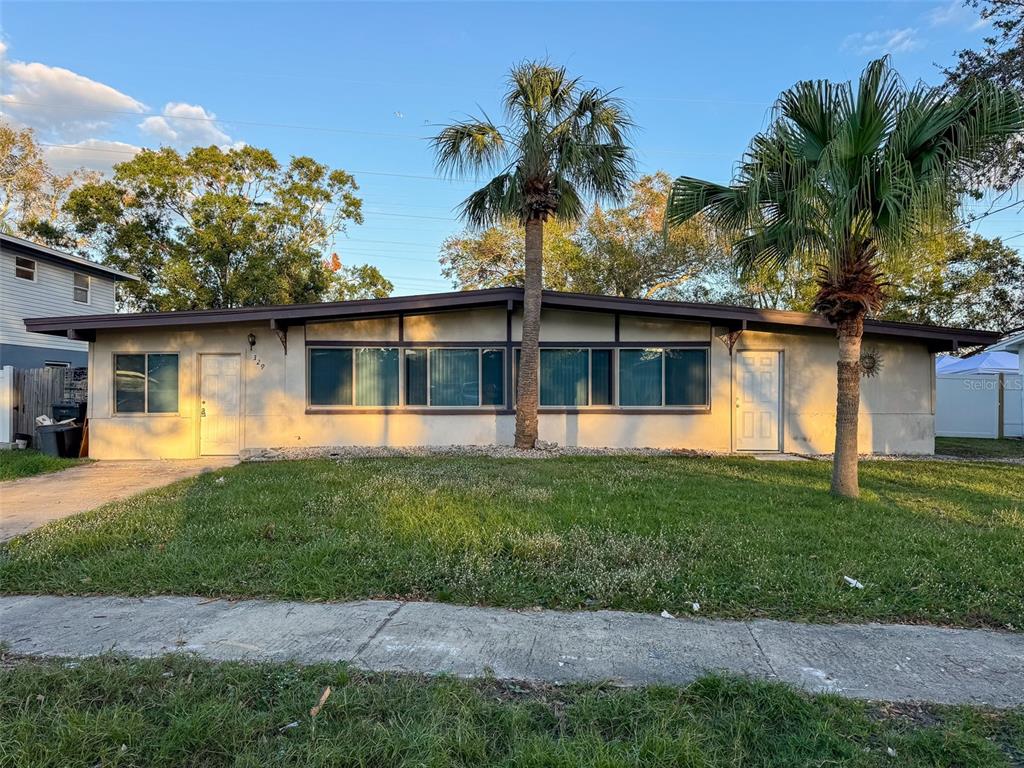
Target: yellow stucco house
(440, 369)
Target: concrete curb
(870, 661)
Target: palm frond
(498, 200)
(469, 146)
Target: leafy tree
(999, 61)
(562, 143)
(843, 183)
(493, 257)
(32, 194)
(364, 281)
(961, 280)
(217, 228)
(616, 252)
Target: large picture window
(574, 378)
(663, 377)
(146, 383)
(457, 377)
(462, 377)
(362, 376)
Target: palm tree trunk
(527, 397)
(844, 464)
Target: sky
(362, 86)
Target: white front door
(219, 397)
(757, 401)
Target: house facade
(440, 370)
(36, 280)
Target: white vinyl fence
(978, 405)
(6, 404)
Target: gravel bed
(491, 451)
(548, 451)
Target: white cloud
(882, 41)
(186, 125)
(60, 104)
(94, 154)
(950, 13)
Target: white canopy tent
(979, 396)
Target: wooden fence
(34, 392)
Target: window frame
(662, 349)
(590, 378)
(352, 405)
(75, 288)
(34, 268)
(403, 390)
(145, 391)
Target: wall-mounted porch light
(252, 341)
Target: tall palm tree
(561, 144)
(842, 182)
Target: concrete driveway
(34, 501)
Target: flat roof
(23, 247)
(732, 317)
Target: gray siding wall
(51, 294)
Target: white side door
(757, 401)
(219, 398)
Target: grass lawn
(15, 464)
(931, 542)
(178, 711)
(977, 448)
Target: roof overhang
(22, 247)
(731, 317)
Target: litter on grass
(853, 582)
(667, 615)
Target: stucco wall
(896, 406)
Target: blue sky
(360, 86)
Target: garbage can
(69, 410)
(61, 440)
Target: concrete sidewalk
(875, 661)
(33, 501)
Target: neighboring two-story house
(37, 281)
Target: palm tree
(842, 182)
(561, 145)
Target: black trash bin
(61, 440)
(69, 410)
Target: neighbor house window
(663, 377)
(455, 377)
(146, 383)
(574, 377)
(82, 285)
(361, 376)
(24, 268)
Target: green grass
(932, 542)
(15, 464)
(177, 711)
(977, 448)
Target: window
(24, 268)
(56, 364)
(574, 377)
(656, 377)
(146, 383)
(362, 376)
(563, 376)
(455, 377)
(82, 285)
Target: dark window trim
(145, 397)
(663, 349)
(402, 407)
(501, 344)
(352, 407)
